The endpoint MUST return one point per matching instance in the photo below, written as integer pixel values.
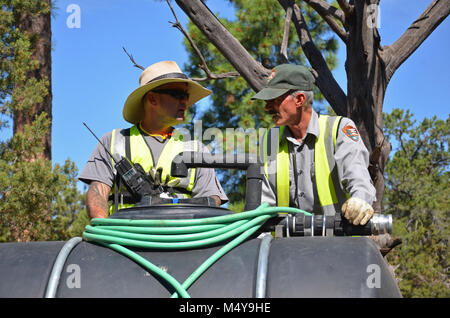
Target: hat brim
(269, 93)
(133, 112)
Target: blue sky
(92, 76)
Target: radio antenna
(106, 149)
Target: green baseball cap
(284, 78)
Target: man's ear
(151, 98)
(300, 99)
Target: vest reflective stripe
(282, 170)
(140, 153)
(276, 156)
(117, 145)
(322, 163)
(276, 152)
(331, 195)
(335, 128)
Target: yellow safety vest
(139, 152)
(329, 190)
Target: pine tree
(417, 194)
(37, 201)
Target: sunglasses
(175, 93)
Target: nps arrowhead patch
(351, 132)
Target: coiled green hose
(180, 234)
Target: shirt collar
(313, 129)
(165, 136)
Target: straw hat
(156, 75)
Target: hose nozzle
(381, 224)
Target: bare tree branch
(132, 60)
(253, 72)
(324, 78)
(346, 7)
(327, 9)
(323, 9)
(414, 36)
(287, 25)
(203, 65)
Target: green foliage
(258, 25)
(417, 194)
(237, 206)
(79, 224)
(37, 201)
(16, 49)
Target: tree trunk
(40, 27)
(366, 87)
(324, 78)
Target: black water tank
(297, 267)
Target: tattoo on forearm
(97, 198)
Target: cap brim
(133, 111)
(269, 93)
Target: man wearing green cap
(159, 103)
(315, 163)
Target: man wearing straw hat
(159, 103)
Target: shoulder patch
(351, 132)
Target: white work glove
(357, 211)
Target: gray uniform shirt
(99, 168)
(352, 161)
